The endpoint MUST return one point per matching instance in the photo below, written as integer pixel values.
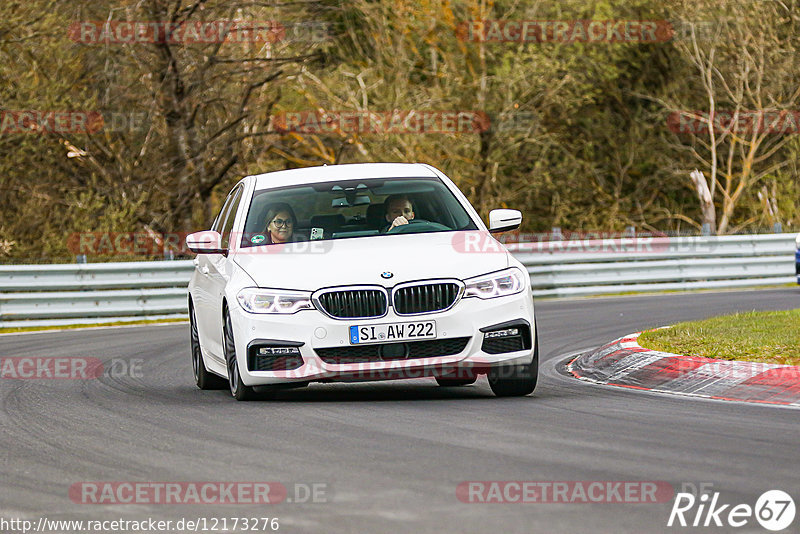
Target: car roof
(351, 171)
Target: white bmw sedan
(358, 272)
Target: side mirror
(504, 220)
(206, 242)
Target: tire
(239, 391)
(455, 382)
(516, 380)
(202, 376)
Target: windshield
(350, 209)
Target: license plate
(386, 333)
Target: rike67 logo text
(774, 510)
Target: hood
(316, 264)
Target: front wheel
(239, 391)
(202, 377)
(516, 380)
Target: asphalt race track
(391, 454)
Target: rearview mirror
(206, 242)
(504, 220)
(344, 202)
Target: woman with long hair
(281, 221)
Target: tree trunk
(705, 198)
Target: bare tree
(208, 103)
(742, 69)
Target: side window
(217, 225)
(230, 217)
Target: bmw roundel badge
(387, 274)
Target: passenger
(398, 210)
(280, 225)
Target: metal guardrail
(44, 295)
(51, 295)
(658, 264)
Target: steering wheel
(418, 226)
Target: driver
(398, 211)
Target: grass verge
(769, 337)
(77, 326)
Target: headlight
(499, 284)
(258, 300)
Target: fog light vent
(507, 337)
(273, 357)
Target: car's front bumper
(309, 330)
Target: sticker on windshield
(257, 239)
(316, 233)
